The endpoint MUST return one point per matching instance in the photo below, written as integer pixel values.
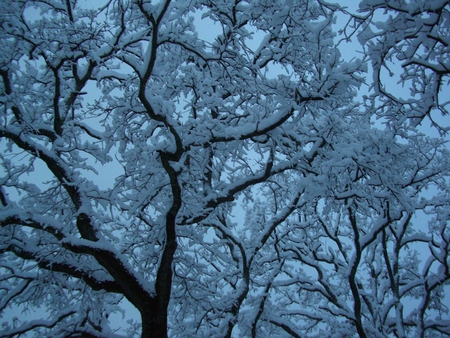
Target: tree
(340, 237)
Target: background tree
(340, 237)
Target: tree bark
(154, 320)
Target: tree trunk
(154, 316)
(154, 322)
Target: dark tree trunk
(154, 322)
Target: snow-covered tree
(211, 163)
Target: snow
(295, 202)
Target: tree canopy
(224, 168)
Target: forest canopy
(225, 168)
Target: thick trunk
(154, 322)
(154, 315)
